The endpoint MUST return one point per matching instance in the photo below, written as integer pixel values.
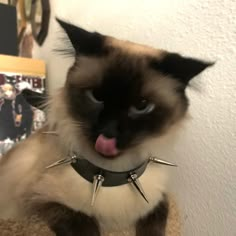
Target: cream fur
(115, 207)
(23, 177)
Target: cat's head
(122, 93)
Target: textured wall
(205, 181)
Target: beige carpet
(34, 227)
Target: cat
(119, 100)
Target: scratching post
(35, 227)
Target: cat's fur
(120, 73)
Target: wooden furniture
(24, 66)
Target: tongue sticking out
(106, 146)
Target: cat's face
(124, 93)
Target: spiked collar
(106, 178)
(110, 178)
(89, 171)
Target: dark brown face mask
(122, 94)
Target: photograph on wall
(18, 119)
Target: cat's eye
(93, 96)
(142, 108)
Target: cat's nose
(110, 129)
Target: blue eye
(93, 97)
(142, 108)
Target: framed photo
(18, 119)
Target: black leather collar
(88, 170)
(97, 175)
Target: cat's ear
(179, 67)
(84, 42)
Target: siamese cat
(119, 100)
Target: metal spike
(50, 132)
(133, 178)
(162, 162)
(68, 160)
(97, 183)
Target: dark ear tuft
(179, 67)
(84, 42)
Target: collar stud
(133, 179)
(97, 183)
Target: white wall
(205, 181)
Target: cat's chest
(114, 206)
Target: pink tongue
(106, 146)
